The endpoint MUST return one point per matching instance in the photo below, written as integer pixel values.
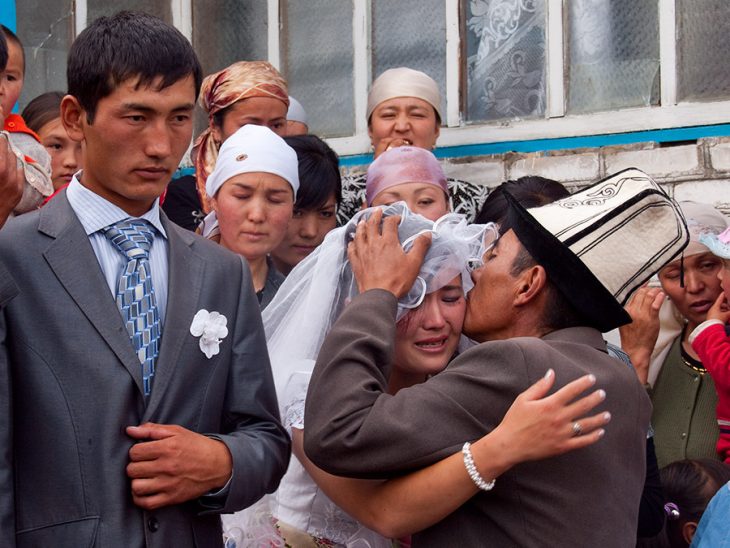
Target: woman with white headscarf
(252, 192)
(682, 392)
(313, 508)
(404, 109)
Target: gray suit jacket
(588, 497)
(70, 383)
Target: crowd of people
(266, 353)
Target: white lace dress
(298, 502)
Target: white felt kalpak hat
(601, 243)
(254, 149)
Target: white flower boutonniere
(211, 328)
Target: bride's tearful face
(428, 336)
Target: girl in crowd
(682, 393)
(43, 115)
(313, 508)
(317, 199)
(688, 487)
(26, 144)
(247, 92)
(252, 191)
(404, 109)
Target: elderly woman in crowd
(314, 508)
(404, 109)
(317, 199)
(247, 92)
(252, 191)
(682, 392)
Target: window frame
(557, 123)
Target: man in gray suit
(137, 398)
(541, 297)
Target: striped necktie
(135, 294)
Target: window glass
(317, 62)
(703, 42)
(505, 59)
(226, 31)
(46, 30)
(158, 8)
(613, 54)
(410, 33)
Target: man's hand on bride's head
(378, 259)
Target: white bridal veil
(314, 293)
(296, 323)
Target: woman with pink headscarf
(246, 92)
(408, 174)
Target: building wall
(698, 171)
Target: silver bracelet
(472, 469)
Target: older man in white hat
(557, 277)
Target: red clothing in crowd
(712, 345)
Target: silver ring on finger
(577, 429)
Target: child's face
(11, 79)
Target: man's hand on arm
(378, 259)
(170, 465)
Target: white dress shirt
(96, 213)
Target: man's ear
(73, 117)
(688, 531)
(530, 284)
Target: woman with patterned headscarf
(246, 92)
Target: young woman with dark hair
(43, 115)
(317, 199)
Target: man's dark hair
(10, 36)
(530, 191)
(3, 51)
(43, 109)
(319, 172)
(127, 45)
(558, 312)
